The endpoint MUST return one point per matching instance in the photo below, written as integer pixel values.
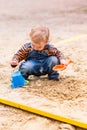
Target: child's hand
(14, 63)
(63, 61)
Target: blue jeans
(40, 67)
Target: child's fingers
(14, 63)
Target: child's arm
(54, 51)
(61, 58)
(20, 55)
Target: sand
(67, 21)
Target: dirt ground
(67, 21)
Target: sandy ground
(66, 19)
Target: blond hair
(39, 34)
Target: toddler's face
(38, 46)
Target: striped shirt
(23, 52)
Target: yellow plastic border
(74, 38)
(43, 113)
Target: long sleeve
(54, 51)
(22, 53)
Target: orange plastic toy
(61, 66)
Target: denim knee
(52, 61)
(29, 68)
(26, 68)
